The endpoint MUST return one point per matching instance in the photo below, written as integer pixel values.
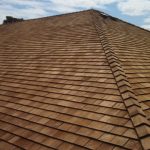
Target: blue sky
(134, 11)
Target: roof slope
(66, 82)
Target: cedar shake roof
(79, 81)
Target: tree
(10, 19)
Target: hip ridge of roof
(130, 100)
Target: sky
(134, 11)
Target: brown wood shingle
(77, 81)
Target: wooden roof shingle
(78, 81)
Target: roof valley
(131, 102)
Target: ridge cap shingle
(131, 102)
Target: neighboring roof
(78, 81)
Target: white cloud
(147, 26)
(82, 3)
(134, 7)
(21, 9)
(147, 20)
(63, 6)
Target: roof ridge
(131, 102)
(46, 17)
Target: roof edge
(131, 102)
